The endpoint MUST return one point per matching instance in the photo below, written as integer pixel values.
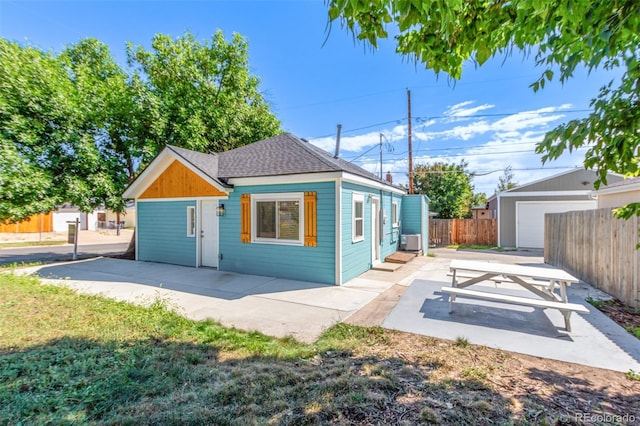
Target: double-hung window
(278, 218)
(358, 218)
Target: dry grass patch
(69, 358)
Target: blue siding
(292, 262)
(162, 232)
(415, 217)
(356, 256)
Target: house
(520, 211)
(278, 207)
(618, 194)
(68, 213)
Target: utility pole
(409, 140)
(380, 156)
(338, 141)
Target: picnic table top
(510, 269)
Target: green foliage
(205, 97)
(505, 182)
(76, 127)
(633, 375)
(448, 187)
(561, 36)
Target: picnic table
(543, 282)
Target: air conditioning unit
(410, 242)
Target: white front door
(209, 234)
(375, 231)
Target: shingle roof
(283, 154)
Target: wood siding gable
(179, 181)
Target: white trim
(281, 196)
(136, 229)
(375, 241)
(396, 224)
(192, 225)
(158, 166)
(518, 203)
(630, 187)
(313, 177)
(284, 179)
(348, 177)
(356, 197)
(157, 200)
(338, 210)
(545, 193)
(198, 233)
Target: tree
(562, 35)
(206, 97)
(448, 187)
(505, 182)
(76, 127)
(45, 153)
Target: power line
(458, 118)
(484, 173)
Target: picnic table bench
(540, 281)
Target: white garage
(530, 218)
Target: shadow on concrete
(492, 315)
(201, 281)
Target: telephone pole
(409, 140)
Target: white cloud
(507, 141)
(459, 110)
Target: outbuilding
(520, 211)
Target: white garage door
(530, 218)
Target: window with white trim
(394, 214)
(276, 218)
(191, 221)
(358, 217)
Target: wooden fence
(37, 223)
(597, 248)
(444, 232)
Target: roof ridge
(312, 151)
(213, 155)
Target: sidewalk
(107, 236)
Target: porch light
(220, 210)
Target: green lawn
(67, 358)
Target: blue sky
(315, 79)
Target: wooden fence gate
(445, 232)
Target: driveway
(595, 340)
(276, 307)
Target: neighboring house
(68, 213)
(619, 193)
(109, 218)
(279, 207)
(520, 211)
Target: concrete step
(387, 266)
(400, 257)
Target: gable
(177, 181)
(578, 180)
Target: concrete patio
(275, 307)
(408, 300)
(595, 340)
